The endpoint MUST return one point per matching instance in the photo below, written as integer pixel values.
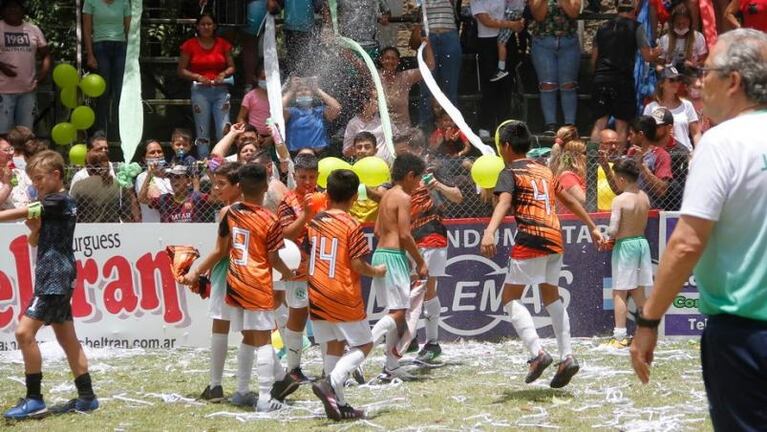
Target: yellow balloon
(328, 165)
(372, 171)
(69, 97)
(486, 170)
(277, 340)
(77, 154)
(498, 134)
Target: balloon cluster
(125, 173)
(92, 85)
(372, 171)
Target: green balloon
(77, 154)
(63, 133)
(93, 85)
(69, 97)
(486, 170)
(83, 117)
(328, 165)
(65, 75)
(372, 171)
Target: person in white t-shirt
(153, 156)
(686, 124)
(721, 237)
(99, 143)
(683, 46)
(21, 45)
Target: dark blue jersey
(55, 271)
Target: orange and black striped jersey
(255, 232)
(426, 220)
(532, 188)
(288, 211)
(333, 240)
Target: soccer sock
(294, 343)
(560, 321)
(218, 344)
(524, 326)
(502, 65)
(431, 311)
(244, 367)
(279, 372)
(619, 333)
(350, 361)
(329, 363)
(392, 337)
(382, 327)
(33, 386)
(265, 370)
(84, 387)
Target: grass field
(480, 388)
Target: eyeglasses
(706, 70)
(674, 80)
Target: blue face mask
(262, 84)
(304, 101)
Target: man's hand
(422, 270)
(596, 236)
(8, 69)
(603, 162)
(379, 271)
(34, 224)
(190, 278)
(642, 352)
(307, 205)
(237, 128)
(92, 63)
(487, 247)
(639, 153)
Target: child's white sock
(294, 344)
(431, 311)
(502, 65)
(218, 344)
(560, 321)
(392, 337)
(619, 333)
(382, 327)
(244, 367)
(524, 326)
(329, 363)
(265, 370)
(350, 361)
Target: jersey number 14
(329, 257)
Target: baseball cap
(669, 72)
(662, 116)
(177, 170)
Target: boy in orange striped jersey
(337, 250)
(252, 237)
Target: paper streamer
(443, 101)
(131, 109)
(383, 110)
(272, 70)
(417, 293)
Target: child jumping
(52, 227)
(632, 266)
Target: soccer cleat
(350, 413)
(213, 394)
(284, 388)
(618, 343)
(429, 353)
(537, 366)
(27, 408)
(298, 376)
(270, 405)
(413, 347)
(324, 391)
(498, 75)
(76, 405)
(388, 375)
(359, 375)
(244, 399)
(567, 368)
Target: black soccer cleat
(567, 368)
(213, 394)
(350, 413)
(298, 376)
(537, 366)
(429, 353)
(284, 388)
(324, 391)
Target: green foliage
(56, 20)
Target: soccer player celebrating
(394, 239)
(295, 211)
(430, 235)
(336, 260)
(536, 257)
(52, 227)
(252, 237)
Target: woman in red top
(571, 171)
(206, 60)
(753, 14)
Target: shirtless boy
(394, 240)
(632, 266)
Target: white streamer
(272, 70)
(443, 101)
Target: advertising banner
(683, 317)
(125, 295)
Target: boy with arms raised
(338, 248)
(394, 240)
(631, 261)
(52, 226)
(252, 237)
(295, 211)
(529, 189)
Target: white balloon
(291, 256)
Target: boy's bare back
(633, 208)
(393, 211)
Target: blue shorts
(255, 17)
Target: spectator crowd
(325, 115)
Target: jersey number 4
(542, 196)
(329, 257)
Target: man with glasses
(723, 230)
(98, 143)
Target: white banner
(125, 295)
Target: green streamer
(131, 110)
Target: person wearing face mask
(153, 157)
(305, 121)
(255, 105)
(682, 46)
